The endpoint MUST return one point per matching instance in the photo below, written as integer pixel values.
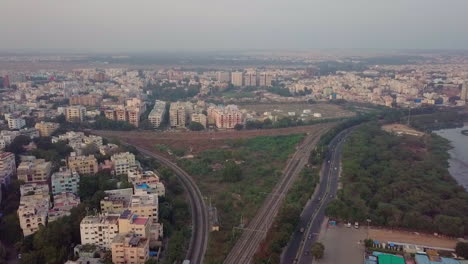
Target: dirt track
(199, 141)
(412, 238)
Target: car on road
(336, 168)
(348, 225)
(356, 225)
(310, 236)
(320, 198)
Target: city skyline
(118, 26)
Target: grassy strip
(288, 217)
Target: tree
(232, 172)
(317, 250)
(462, 249)
(195, 126)
(239, 127)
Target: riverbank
(458, 162)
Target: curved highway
(246, 246)
(298, 249)
(199, 239)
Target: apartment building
(7, 167)
(16, 122)
(145, 205)
(199, 118)
(156, 116)
(46, 129)
(63, 203)
(113, 206)
(178, 114)
(88, 100)
(223, 76)
(116, 201)
(237, 78)
(34, 188)
(83, 164)
(123, 162)
(32, 212)
(130, 249)
(265, 79)
(65, 180)
(250, 78)
(225, 117)
(33, 170)
(99, 230)
(129, 222)
(75, 113)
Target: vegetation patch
(400, 182)
(237, 180)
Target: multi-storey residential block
(63, 203)
(237, 79)
(199, 118)
(129, 248)
(265, 79)
(223, 76)
(177, 114)
(16, 122)
(7, 167)
(99, 230)
(156, 116)
(75, 113)
(225, 117)
(250, 78)
(145, 205)
(89, 100)
(34, 188)
(83, 164)
(129, 222)
(65, 180)
(123, 162)
(32, 212)
(146, 182)
(34, 170)
(46, 128)
(113, 206)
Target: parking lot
(342, 244)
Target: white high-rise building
(16, 122)
(99, 230)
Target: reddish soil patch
(195, 142)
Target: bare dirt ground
(411, 238)
(195, 142)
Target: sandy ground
(342, 245)
(383, 235)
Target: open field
(196, 142)
(383, 235)
(281, 110)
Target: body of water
(458, 154)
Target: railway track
(245, 248)
(199, 239)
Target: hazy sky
(147, 25)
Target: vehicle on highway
(356, 225)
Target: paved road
(313, 214)
(246, 246)
(199, 239)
